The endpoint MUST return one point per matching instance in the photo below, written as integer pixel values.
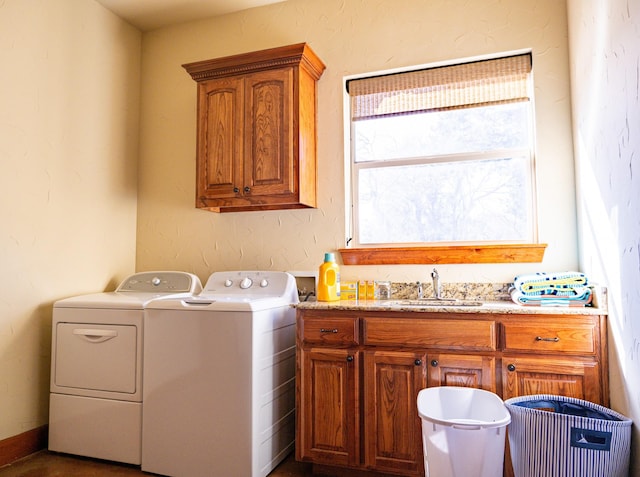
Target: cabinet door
(574, 377)
(269, 154)
(220, 139)
(471, 371)
(328, 410)
(392, 427)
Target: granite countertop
(495, 299)
(496, 307)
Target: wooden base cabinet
(555, 354)
(359, 375)
(328, 384)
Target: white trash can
(463, 432)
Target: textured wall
(351, 37)
(68, 146)
(605, 71)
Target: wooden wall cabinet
(256, 130)
(359, 374)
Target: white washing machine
(219, 370)
(96, 395)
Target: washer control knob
(228, 283)
(264, 283)
(246, 283)
(155, 281)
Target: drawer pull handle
(418, 362)
(434, 363)
(540, 338)
(349, 359)
(95, 336)
(328, 330)
(511, 367)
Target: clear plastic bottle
(328, 279)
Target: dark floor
(51, 464)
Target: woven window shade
(464, 85)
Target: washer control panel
(248, 285)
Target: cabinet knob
(417, 362)
(236, 190)
(434, 362)
(511, 367)
(349, 358)
(247, 189)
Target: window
(443, 155)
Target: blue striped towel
(581, 296)
(543, 283)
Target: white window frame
(351, 167)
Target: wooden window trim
(445, 254)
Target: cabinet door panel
(471, 371)
(220, 144)
(578, 378)
(329, 409)
(392, 427)
(269, 133)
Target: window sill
(452, 254)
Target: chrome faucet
(436, 284)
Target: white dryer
(219, 370)
(95, 405)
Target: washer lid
(203, 303)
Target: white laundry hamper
(557, 436)
(463, 432)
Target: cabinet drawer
(544, 335)
(331, 331)
(452, 334)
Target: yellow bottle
(328, 279)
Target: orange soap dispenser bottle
(328, 279)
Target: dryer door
(95, 357)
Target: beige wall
(351, 37)
(605, 53)
(69, 123)
(68, 149)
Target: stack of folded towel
(551, 289)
